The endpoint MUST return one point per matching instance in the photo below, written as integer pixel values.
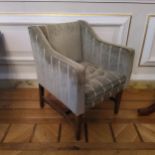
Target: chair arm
(106, 55)
(60, 75)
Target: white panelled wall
(130, 23)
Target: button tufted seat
(100, 84)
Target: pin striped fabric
(106, 55)
(79, 76)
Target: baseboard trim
(143, 77)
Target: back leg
(117, 102)
(41, 96)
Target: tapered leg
(79, 121)
(117, 102)
(41, 95)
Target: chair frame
(80, 120)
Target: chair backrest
(65, 38)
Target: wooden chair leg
(117, 102)
(41, 96)
(79, 122)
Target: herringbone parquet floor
(27, 129)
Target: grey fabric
(59, 75)
(106, 55)
(66, 39)
(101, 84)
(71, 60)
(44, 31)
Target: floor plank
(18, 152)
(8, 104)
(46, 133)
(50, 113)
(147, 131)
(19, 133)
(105, 152)
(125, 132)
(98, 132)
(109, 114)
(19, 94)
(108, 104)
(28, 113)
(3, 130)
(125, 104)
(32, 94)
(77, 146)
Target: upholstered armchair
(78, 68)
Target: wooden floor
(27, 129)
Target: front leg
(78, 126)
(117, 101)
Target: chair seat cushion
(101, 84)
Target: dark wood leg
(41, 95)
(79, 122)
(147, 110)
(117, 101)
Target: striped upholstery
(101, 84)
(103, 66)
(106, 55)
